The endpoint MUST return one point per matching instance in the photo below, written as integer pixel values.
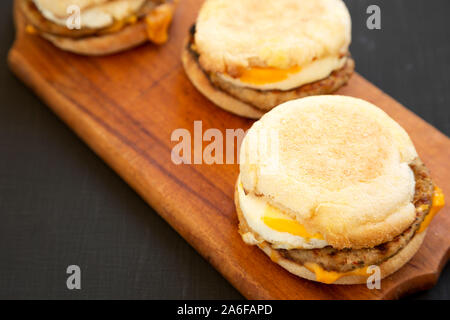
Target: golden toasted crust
(338, 165)
(387, 267)
(217, 96)
(234, 35)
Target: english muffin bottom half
(105, 26)
(331, 186)
(249, 56)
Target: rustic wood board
(126, 106)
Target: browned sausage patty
(267, 99)
(349, 259)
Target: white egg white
(317, 70)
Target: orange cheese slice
(438, 203)
(330, 277)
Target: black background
(61, 205)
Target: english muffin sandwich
(248, 56)
(99, 27)
(330, 186)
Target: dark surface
(61, 205)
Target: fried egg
(97, 15)
(286, 79)
(274, 226)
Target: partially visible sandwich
(331, 188)
(102, 26)
(248, 56)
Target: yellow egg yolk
(278, 221)
(259, 76)
(438, 203)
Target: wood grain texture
(126, 106)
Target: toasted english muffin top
(236, 34)
(339, 165)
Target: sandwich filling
(269, 78)
(266, 87)
(262, 224)
(275, 226)
(99, 17)
(249, 53)
(94, 14)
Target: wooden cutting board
(126, 106)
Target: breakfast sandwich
(99, 27)
(330, 186)
(248, 56)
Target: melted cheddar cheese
(158, 22)
(438, 202)
(274, 256)
(330, 277)
(280, 222)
